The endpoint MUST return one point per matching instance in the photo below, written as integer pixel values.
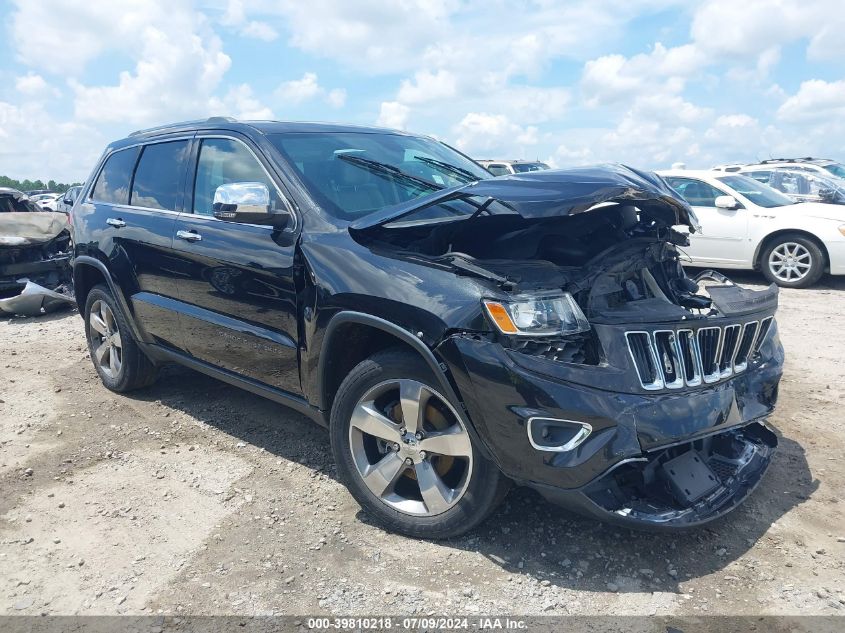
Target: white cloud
(483, 132)
(336, 97)
(177, 72)
(427, 86)
(27, 152)
(370, 35)
(241, 103)
(615, 77)
(815, 100)
(236, 17)
(393, 114)
(259, 31)
(298, 91)
(33, 85)
(748, 29)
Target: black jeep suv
(454, 331)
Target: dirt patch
(194, 497)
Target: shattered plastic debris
(35, 300)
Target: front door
(723, 239)
(236, 281)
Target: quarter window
(158, 177)
(223, 161)
(113, 182)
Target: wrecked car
(35, 253)
(456, 333)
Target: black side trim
(301, 405)
(119, 297)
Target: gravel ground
(192, 497)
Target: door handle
(189, 236)
(116, 222)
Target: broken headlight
(528, 315)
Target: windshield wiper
(383, 169)
(452, 169)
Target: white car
(746, 224)
(820, 166)
(505, 167)
(46, 201)
(801, 186)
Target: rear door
(236, 281)
(131, 212)
(723, 239)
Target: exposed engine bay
(618, 265)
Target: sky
(643, 82)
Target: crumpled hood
(562, 192)
(31, 227)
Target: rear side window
(158, 177)
(113, 181)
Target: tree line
(29, 185)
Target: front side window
(223, 161)
(158, 177)
(758, 193)
(113, 182)
(353, 174)
(696, 192)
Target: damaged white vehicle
(35, 249)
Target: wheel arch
(89, 272)
(381, 334)
(764, 243)
(361, 335)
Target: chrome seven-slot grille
(684, 357)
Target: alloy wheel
(410, 447)
(790, 262)
(105, 339)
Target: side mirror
(726, 202)
(67, 201)
(247, 203)
(827, 195)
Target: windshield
(836, 169)
(353, 174)
(524, 167)
(758, 193)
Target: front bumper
(623, 497)
(503, 390)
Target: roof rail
(170, 126)
(805, 159)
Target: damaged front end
(35, 273)
(595, 370)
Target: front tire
(120, 363)
(405, 454)
(792, 261)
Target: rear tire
(437, 485)
(119, 362)
(792, 261)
